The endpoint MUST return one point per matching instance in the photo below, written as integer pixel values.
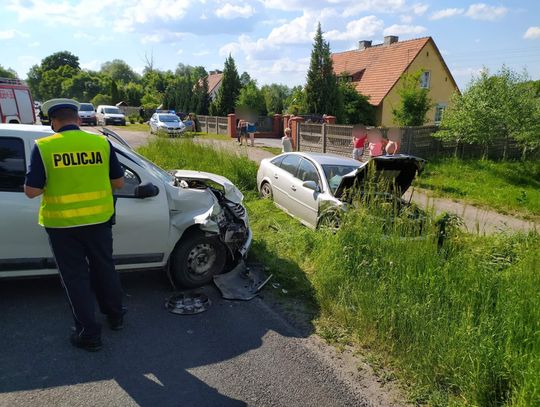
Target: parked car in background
(110, 115)
(87, 114)
(16, 104)
(166, 122)
(191, 223)
(313, 187)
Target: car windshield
(168, 118)
(334, 174)
(113, 110)
(86, 108)
(144, 162)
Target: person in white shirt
(286, 145)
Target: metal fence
(419, 141)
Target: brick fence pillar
(294, 123)
(231, 125)
(330, 119)
(286, 118)
(277, 127)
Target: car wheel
(266, 191)
(330, 221)
(196, 259)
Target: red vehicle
(16, 103)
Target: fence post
(323, 131)
(276, 126)
(409, 139)
(231, 125)
(217, 124)
(295, 130)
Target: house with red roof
(214, 83)
(376, 70)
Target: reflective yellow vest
(78, 190)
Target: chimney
(390, 39)
(364, 44)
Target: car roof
(34, 131)
(328, 159)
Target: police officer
(76, 172)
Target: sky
(271, 40)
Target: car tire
(330, 220)
(266, 191)
(196, 259)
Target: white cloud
(201, 53)
(151, 38)
(398, 29)
(151, 10)
(366, 27)
(34, 44)
(10, 34)
(446, 13)
(466, 71)
(406, 19)
(532, 33)
(382, 6)
(179, 52)
(230, 11)
(420, 9)
(482, 11)
(92, 65)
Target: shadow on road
(150, 359)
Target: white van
(106, 114)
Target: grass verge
(507, 186)
(460, 322)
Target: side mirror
(311, 185)
(146, 190)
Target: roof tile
(382, 65)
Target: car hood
(397, 171)
(231, 192)
(172, 124)
(114, 115)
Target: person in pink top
(359, 140)
(394, 141)
(376, 142)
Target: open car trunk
(385, 174)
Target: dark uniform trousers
(84, 258)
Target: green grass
(214, 136)
(511, 187)
(459, 322)
(273, 150)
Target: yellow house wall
(441, 86)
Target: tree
(201, 99)
(251, 100)
(133, 93)
(354, 107)
(275, 96)
(115, 95)
(7, 73)
(321, 85)
(245, 79)
(414, 101)
(296, 102)
(58, 59)
(83, 86)
(119, 71)
(51, 82)
(497, 106)
(101, 99)
(229, 90)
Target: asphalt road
(234, 354)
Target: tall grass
(185, 154)
(460, 321)
(507, 186)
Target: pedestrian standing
(359, 140)
(376, 142)
(286, 144)
(75, 172)
(251, 129)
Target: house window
(424, 80)
(439, 110)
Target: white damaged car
(191, 223)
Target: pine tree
(322, 86)
(229, 90)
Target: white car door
(305, 201)
(24, 246)
(141, 232)
(282, 180)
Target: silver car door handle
(275, 176)
(293, 187)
